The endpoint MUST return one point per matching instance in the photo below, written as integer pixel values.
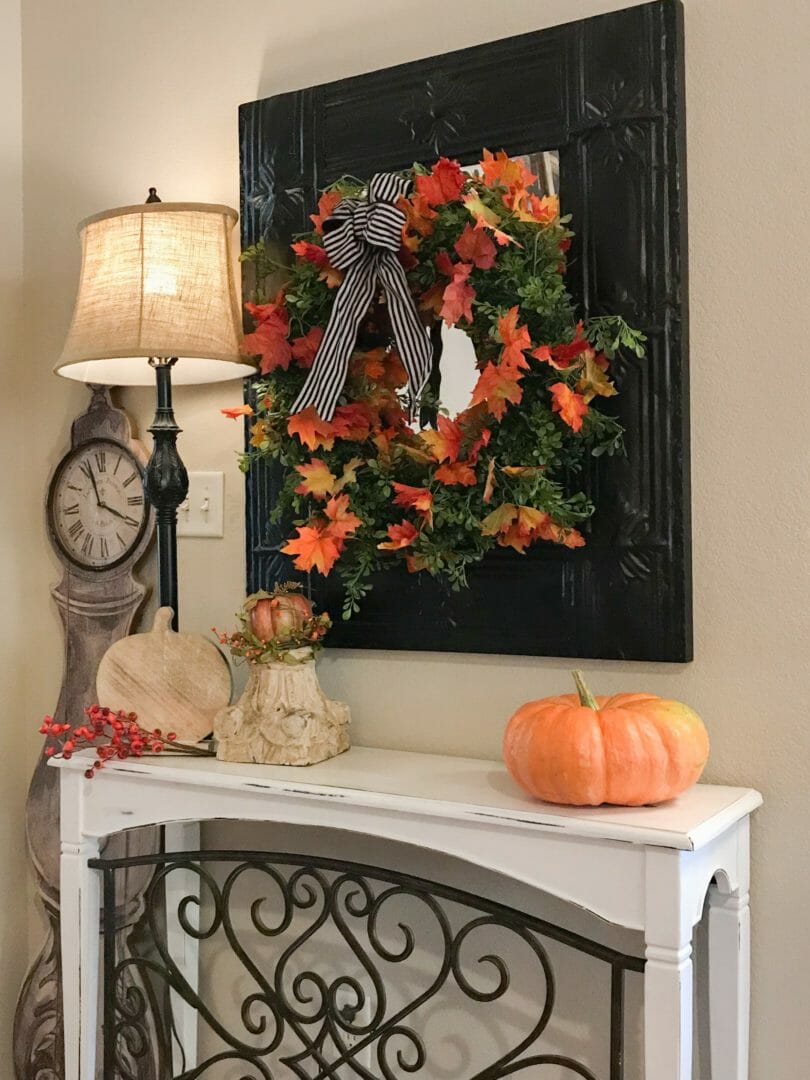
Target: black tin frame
(607, 92)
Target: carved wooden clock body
(100, 526)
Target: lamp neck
(166, 482)
(163, 371)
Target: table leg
(183, 949)
(80, 944)
(668, 994)
(729, 983)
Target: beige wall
(118, 96)
(13, 493)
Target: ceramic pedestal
(282, 718)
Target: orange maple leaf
(459, 472)
(498, 385)
(558, 534)
(313, 253)
(570, 405)
(420, 499)
(444, 263)
(419, 216)
(237, 411)
(515, 526)
(401, 536)
(445, 444)
(545, 210)
(304, 349)
(515, 339)
(592, 380)
(474, 246)
(433, 298)
(352, 421)
(319, 481)
(458, 296)
(326, 204)
(528, 207)
(525, 529)
(273, 312)
(443, 184)
(506, 172)
(499, 519)
(342, 522)
(259, 432)
(269, 340)
(311, 430)
(314, 549)
(331, 276)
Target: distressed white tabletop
(452, 787)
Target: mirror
(457, 371)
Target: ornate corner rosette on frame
(348, 347)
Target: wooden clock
(100, 525)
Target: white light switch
(202, 513)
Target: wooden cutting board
(175, 682)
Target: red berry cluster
(112, 735)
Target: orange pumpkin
(278, 616)
(629, 749)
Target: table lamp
(156, 300)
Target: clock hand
(104, 506)
(89, 472)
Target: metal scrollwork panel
(320, 969)
(606, 94)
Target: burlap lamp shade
(156, 281)
(157, 303)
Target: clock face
(96, 505)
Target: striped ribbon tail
(363, 239)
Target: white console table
(649, 869)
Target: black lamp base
(166, 484)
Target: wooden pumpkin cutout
(173, 681)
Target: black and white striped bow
(362, 239)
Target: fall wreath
(368, 487)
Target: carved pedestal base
(282, 718)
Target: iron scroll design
(333, 970)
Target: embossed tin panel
(607, 94)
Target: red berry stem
(113, 735)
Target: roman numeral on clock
(105, 550)
(135, 500)
(70, 511)
(75, 530)
(131, 521)
(129, 479)
(101, 461)
(87, 544)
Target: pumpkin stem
(586, 698)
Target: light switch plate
(203, 512)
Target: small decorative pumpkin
(278, 615)
(628, 749)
